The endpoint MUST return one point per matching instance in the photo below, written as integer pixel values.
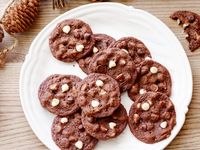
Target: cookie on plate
(191, 25)
(107, 127)
(102, 41)
(58, 94)
(99, 95)
(152, 117)
(152, 76)
(134, 47)
(71, 40)
(117, 64)
(69, 134)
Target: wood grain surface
(15, 133)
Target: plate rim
(30, 54)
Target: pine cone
(19, 15)
(1, 34)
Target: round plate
(116, 20)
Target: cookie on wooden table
(191, 25)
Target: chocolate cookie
(152, 76)
(71, 40)
(117, 64)
(134, 47)
(108, 127)
(68, 133)
(152, 117)
(99, 95)
(58, 94)
(102, 41)
(191, 25)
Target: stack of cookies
(90, 109)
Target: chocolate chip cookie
(99, 95)
(191, 25)
(117, 64)
(71, 40)
(102, 41)
(134, 47)
(152, 76)
(58, 94)
(69, 134)
(152, 117)
(107, 127)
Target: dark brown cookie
(102, 41)
(152, 76)
(191, 25)
(134, 47)
(152, 117)
(108, 127)
(117, 64)
(99, 95)
(69, 134)
(58, 94)
(71, 40)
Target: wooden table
(15, 133)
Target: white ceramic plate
(116, 20)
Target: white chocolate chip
(186, 35)
(142, 91)
(99, 83)
(122, 62)
(66, 29)
(125, 50)
(185, 25)
(138, 105)
(65, 87)
(79, 47)
(102, 92)
(147, 58)
(112, 64)
(178, 21)
(79, 144)
(95, 103)
(112, 125)
(163, 124)
(64, 120)
(55, 102)
(153, 70)
(95, 50)
(53, 87)
(145, 106)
